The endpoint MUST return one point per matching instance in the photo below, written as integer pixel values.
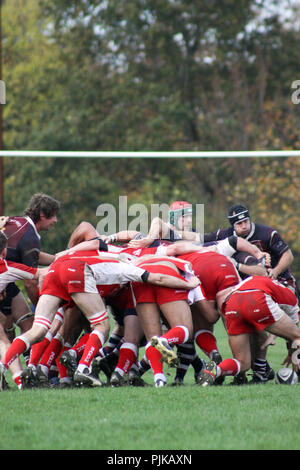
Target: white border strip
(212, 154)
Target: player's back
(23, 241)
(275, 289)
(215, 271)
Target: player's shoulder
(264, 230)
(219, 234)
(18, 221)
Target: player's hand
(41, 273)
(267, 258)
(287, 361)
(272, 273)
(193, 282)
(61, 253)
(270, 341)
(141, 243)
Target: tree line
(152, 75)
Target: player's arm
(84, 231)
(83, 246)
(132, 273)
(19, 271)
(285, 261)
(182, 247)
(229, 246)
(252, 270)
(244, 245)
(123, 236)
(29, 250)
(164, 280)
(45, 259)
(158, 229)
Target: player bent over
(76, 279)
(174, 305)
(257, 303)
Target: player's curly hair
(42, 203)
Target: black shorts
(11, 291)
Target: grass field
(261, 417)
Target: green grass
(182, 418)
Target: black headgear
(237, 214)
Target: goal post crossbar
(157, 154)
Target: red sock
(52, 351)
(154, 358)
(17, 347)
(80, 345)
(37, 350)
(127, 356)
(177, 335)
(92, 346)
(206, 341)
(62, 370)
(229, 367)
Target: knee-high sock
(52, 351)
(94, 343)
(154, 358)
(228, 367)
(17, 347)
(177, 335)
(62, 370)
(206, 341)
(127, 356)
(38, 349)
(81, 344)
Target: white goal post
(158, 154)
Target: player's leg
(45, 311)
(128, 352)
(178, 315)
(149, 316)
(15, 367)
(241, 361)
(93, 307)
(21, 312)
(262, 372)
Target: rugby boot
(105, 364)
(134, 379)
(197, 374)
(117, 380)
(160, 383)
(69, 360)
(208, 375)
(168, 354)
(85, 378)
(28, 377)
(177, 382)
(42, 377)
(270, 372)
(239, 379)
(217, 358)
(2, 377)
(258, 379)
